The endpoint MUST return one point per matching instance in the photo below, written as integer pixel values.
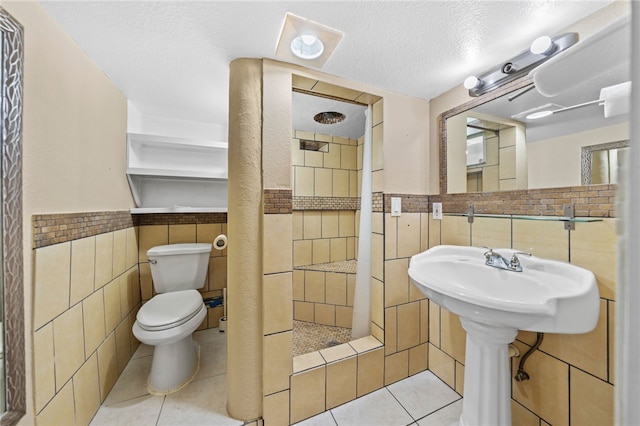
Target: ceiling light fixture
(542, 49)
(305, 42)
(329, 117)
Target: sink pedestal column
(487, 378)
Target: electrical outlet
(437, 211)
(396, 206)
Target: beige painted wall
(406, 131)
(74, 124)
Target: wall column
(244, 262)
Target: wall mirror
(12, 363)
(534, 138)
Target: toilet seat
(169, 310)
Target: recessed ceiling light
(305, 42)
(307, 46)
(539, 114)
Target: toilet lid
(168, 310)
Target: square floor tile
(324, 419)
(446, 416)
(132, 382)
(139, 411)
(376, 408)
(423, 394)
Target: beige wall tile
(377, 302)
(93, 320)
(301, 134)
(396, 282)
(297, 154)
(146, 283)
(83, 256)
(68, 344)
(348, 157)
(339, 352)
(434, 323)
(543, 239)
(112, 310)
(218, 273)
(123, 344)
(424, 321)
(587, 351)
(323, 182)
(330, 224)
(314, 286)
(183, 233)
(408, 234)
(86, 391)
(307, 361)
(276, 408)
(277, 310)
(312, 225)
(304, 181)
(344, 316)
(308, 394)
(207, 232)
(133, 277)
(44, 370)
(434, 231)
(104, 259)
(52, 280)
(303, 311)
(414, 292)
(151, 236)
(591, 400)
(313, 158)
(396, 367)
(418, 359)
(298, 284)
(390, 236)
(340, 183)
(459, 378)
(132, 247)
(332, 158)
(107, 365)
(424, 231)
(455, 230)
(346, 223)
(365, 344)
(302, 252)
(377, 153)
(351, 288)
(547, 393)
(119, 251)
(377, 332)
(359, 155)
(277, 362)
(336, 288)
(338, 249)
(409, 331)
(377, 222)
(376, 116)
(297, 221)
(520, 416)
(391, 330)
(325, 314)
(452, 335)
(353, 184)
(377, 181)
(491, 232)
(370, 371)
(341, 382)
(60, 410)
(612, 341)
(277, 244)
(593, 246)
(126, 302)
(442, 365)
(321, 251)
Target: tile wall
(572, 376)
(86, 297)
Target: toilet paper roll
(220, 243)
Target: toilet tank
(176, 267)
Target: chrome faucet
(496, 260)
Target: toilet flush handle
(153, 261)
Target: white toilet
(168, 320)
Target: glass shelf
(529, 217)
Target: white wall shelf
(173, 175)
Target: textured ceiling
(171, 58)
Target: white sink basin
(547, 296)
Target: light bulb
(308, 39)
(542, 45)
(471, 82)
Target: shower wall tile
(325, 314)
(409, 325)
(344, 316)
(313, 159)
(323, 182)
(321, 251)
(332, 157)
(340, 181)
(298, 225)
(275, 408)
(312, 224)
(336, 288)
(314, 286)
(277, 293)
(522, 416)
(341, 382)
(442, 365)
(277, 244)
(396, 282)
(304, 181)
(330, 224)
(459, 378)
(370, 371)
(346, 224)
(302, 252)
(377, 302)
(277, 362)
(418, 359)
(390, 330)
(303, 311)
(396, 367)
(338, 249)
(308, 394)
(348, 157)
(376, 115)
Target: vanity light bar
(519, 65)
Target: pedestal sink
(493, 304)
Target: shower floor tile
(310, 337)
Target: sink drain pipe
(521, 374)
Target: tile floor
(420, 400)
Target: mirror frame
(12, 250)
(501, 91)
(587, 156)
